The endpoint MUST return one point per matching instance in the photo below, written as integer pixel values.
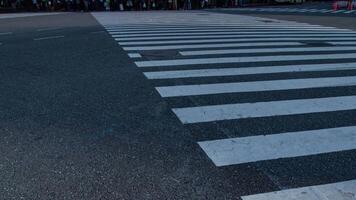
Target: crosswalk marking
(343, 43)
(197, 28)
(247, 70)
(234, 36)
(195, 46)
(158, 35)
(134, 55)
(284, 145)
(237, 40)
(269, 50)
(227, 30)
(263, 109)
(291, 10)
(202, 53)
(199, 61)
(256, 86)
(334, 191)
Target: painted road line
(230, 33)
(120, 27)
(234, 36)
(264, 109)
(248, 70)
(335, 191)
(234, 151)
(221, 60)
(49, 29)
(229, 29)
(238, 40)
(213, 28)
(269, 50)
(6, 33)
(206, 27)
(224, 30)
(255, 86)
(197, 46)
(350, 11)
(134, 55)
(48, 38)
(342, 43)
(339, 11)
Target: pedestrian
(187, 5)
(129, 4)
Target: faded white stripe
(237, 40)
(248, 70)
(234, 151)
(158, 35)
(335, 191)
(264, 109)
(269, 50)
(235, 36)
(199, 61)
(256, 86)
(197, 46)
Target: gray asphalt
(78, 120)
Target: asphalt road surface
(177, 105)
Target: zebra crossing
(187, 56)
(298, 10)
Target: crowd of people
(110, 5)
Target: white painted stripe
(199, 24)
(233, 36)
(48, 29)
(343, 43)
(229, 29)
(248, 70)
(209, 25)
(263, 109)
(335, 191)
(269, 50)
(196, 46)
(6, 33)
(134, 55)
(255, 86)
(339, 11)
(285, 145)
(47, 38)
(237, 40)
(206, 27)
(229, 33)
(199, 61)
(350, 11)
